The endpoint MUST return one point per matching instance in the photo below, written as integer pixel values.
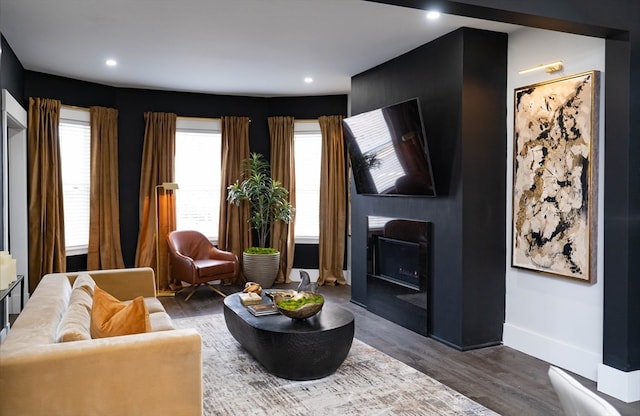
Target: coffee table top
(329, 318)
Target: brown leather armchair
(193, 259)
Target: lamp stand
(165, 186)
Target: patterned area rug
(369, 382)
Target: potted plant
(269, 202)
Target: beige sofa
(154, 373)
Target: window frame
(78, 116)
(309, 127)
(199, 125)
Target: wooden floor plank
(500, 378)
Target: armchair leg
(195, 287)
(218, 291)
(193, 290)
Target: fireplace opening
(397, 271)
(398, 261)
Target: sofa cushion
(160, 321)
(76, 321)
(85, 282)
(153, 305)
(75, 324)
(158, 317)
(110, 317)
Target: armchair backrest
(192, 244)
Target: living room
(593, 330)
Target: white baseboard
(553, 351)
(622, 385)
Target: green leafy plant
(268, 199)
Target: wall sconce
(550, 68)
(166, 186)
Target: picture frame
(555, 168)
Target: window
(308, 150)
(198, 167)
(75, 151)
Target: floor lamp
(166, 186)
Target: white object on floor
(576, 399)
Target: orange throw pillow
(110, 317)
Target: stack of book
(263, 309)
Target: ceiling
(237, 47)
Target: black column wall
(460, 80)
(618, 21)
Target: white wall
(552, 318)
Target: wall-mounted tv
(388, 151)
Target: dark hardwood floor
(500, 378)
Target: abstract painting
(555, 176)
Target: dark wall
(460, 80)
(11, 71)
(133, 103)
(618, 21)
(11, 79)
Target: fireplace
(397, 261)
(397, 271)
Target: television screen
(388, 151)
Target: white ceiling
(239, 47)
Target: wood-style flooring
(500, 378)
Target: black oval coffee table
(294, 349)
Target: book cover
(250, 298)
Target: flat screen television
(388, 151)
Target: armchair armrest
(216, 253)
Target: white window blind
(198, 167)
(75, 153)
(308, 150)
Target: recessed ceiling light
(308, 80)
(433, 15)
(111, 62)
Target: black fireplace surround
(397, 271)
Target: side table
(4, 305)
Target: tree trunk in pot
(261, 268)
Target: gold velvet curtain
(105, 251)
(283, 170)
(158, 166)
(234, 233)
(47, 253)
(332, 202)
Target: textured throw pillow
(110, 317)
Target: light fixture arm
(550, 68)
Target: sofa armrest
(124, 284)
(157, 373)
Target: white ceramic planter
(261, 268)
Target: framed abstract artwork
(555, 176)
